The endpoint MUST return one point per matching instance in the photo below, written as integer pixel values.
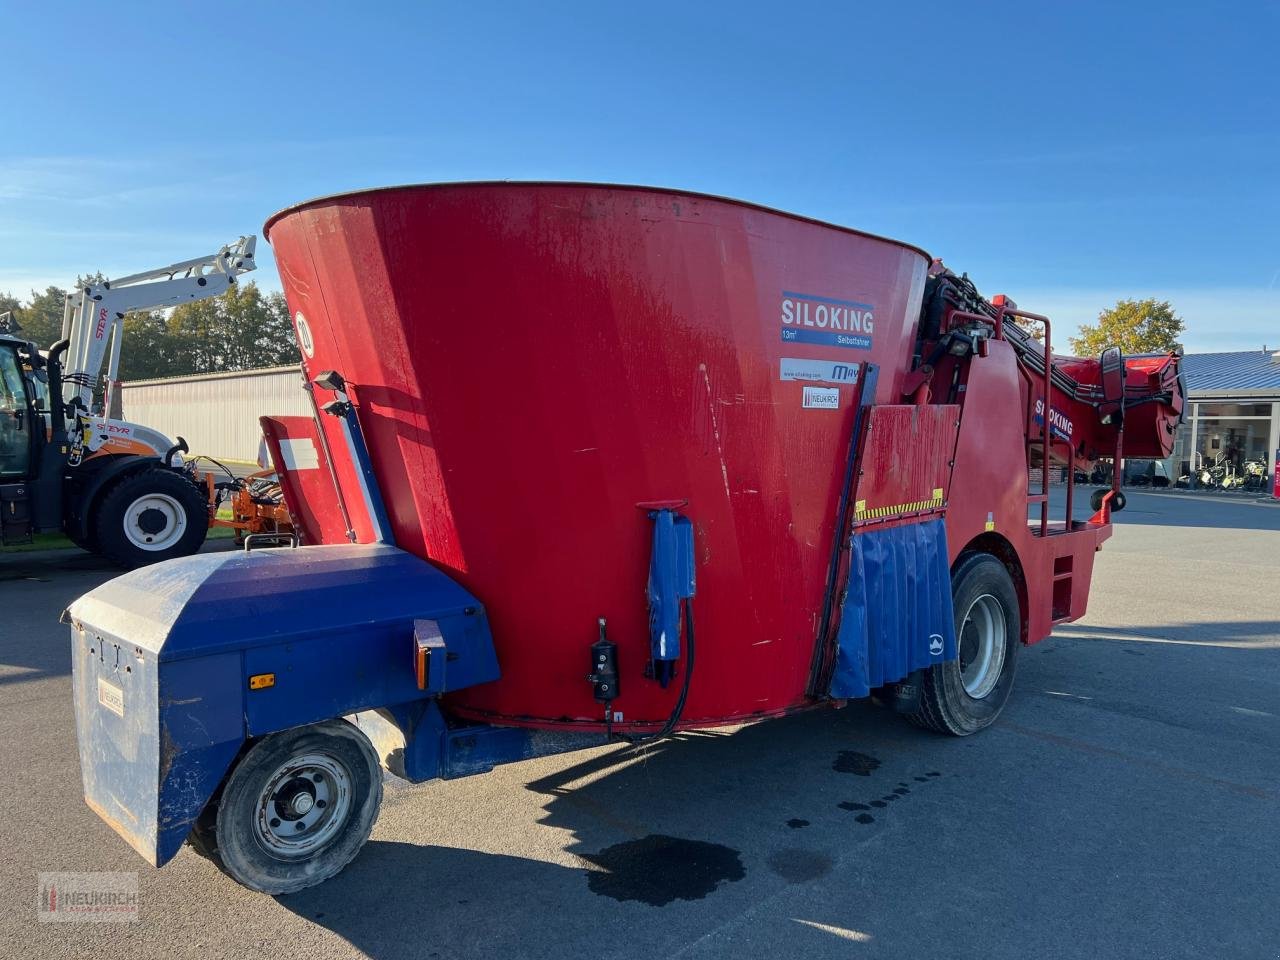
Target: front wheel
(964, 695)
(296, 809)
(150, 515)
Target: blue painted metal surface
(369, 488)
(897, 614)
(417, 742)
(161, 659)
(671, 580)
(865, 397)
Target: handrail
(1046, 428)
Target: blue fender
(162, 661)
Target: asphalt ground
(1127, 804)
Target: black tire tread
(204, 835)
(109, 540)
(933, 713)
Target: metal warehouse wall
(217, 412)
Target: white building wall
(217, 413)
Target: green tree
(241, 330)
(41, 316)
(1135, 326)
(9, 304)
(149, 347)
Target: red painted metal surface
(905, 462)
(305, 478)
(532, 361)
(1150, 428)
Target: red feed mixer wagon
(596, 462)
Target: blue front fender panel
(897, 615)
(162, 656)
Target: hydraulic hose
(678, 710)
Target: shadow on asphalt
(1209, 633)
(785, 802)
(653, 827)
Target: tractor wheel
(295, 810)
(150, 515)
(964, 695)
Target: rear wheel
(964, 695)
(296, 809)
(150, 515)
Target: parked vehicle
(68, 463)
(1146, 473)
(1255, 475)
(565, 423)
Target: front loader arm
(94, 315)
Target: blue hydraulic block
(671, 581)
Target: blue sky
(1067, 154)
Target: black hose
(57, 406)
(678, 710)
(220, 465)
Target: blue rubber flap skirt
(897, 615)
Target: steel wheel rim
(302, 806)
(982, 639)
(143, 515)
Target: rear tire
(965, 695)
(295, 810)
(150, 515)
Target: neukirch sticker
(821, 398)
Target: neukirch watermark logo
(87, 897)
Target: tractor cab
(21, 433)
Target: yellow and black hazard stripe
(862, 512)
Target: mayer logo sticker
(817, 371)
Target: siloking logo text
(809, 318)
(1059, 423)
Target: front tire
(965, 695)
(296, 809)
(150, 515)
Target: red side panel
(905, 464)
(303, 468)
(530, 361)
